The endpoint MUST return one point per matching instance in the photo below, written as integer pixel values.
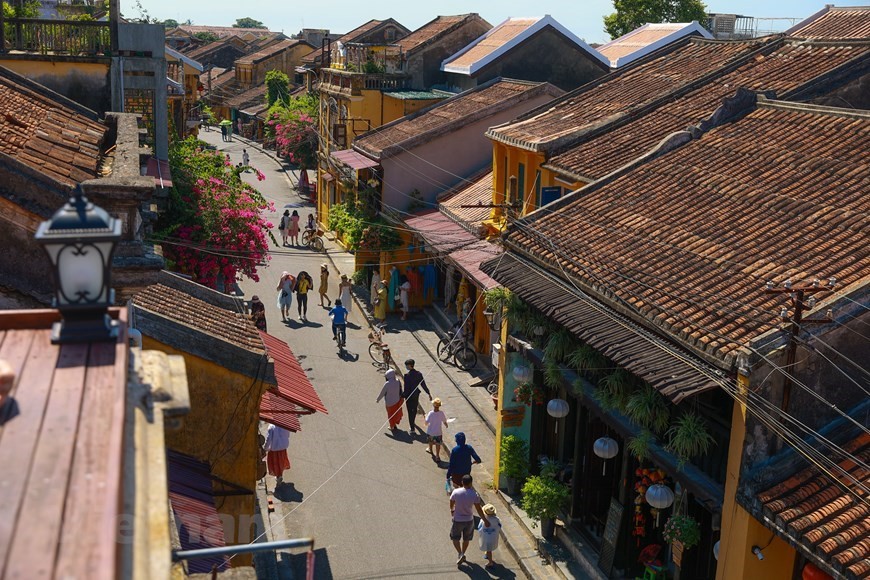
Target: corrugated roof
(418, 95)
(196, 518)
(278, 411)
(293, 383)
(835, 22)
(647, 38)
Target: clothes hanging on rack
(430, 282)
(394, 287)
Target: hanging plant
(648, 409)
(684, 529)
(528, 394)
(688, 438)
(613, 390)
(578, 388)
(560, 345)
(639, 446)
(587, 361)
(553, 378)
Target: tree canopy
(277, 87)
(631, 14)
(248, 23)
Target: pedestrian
(223, 132)
(283, 226)
(463, 502)
(246, 159)
(304, 283)
(489, 534)
(391, 393)
(285, 293)
(414, 381)
(380, 301)
(324, 286)
(277, 461)
(344, 288)
(436, 420)
(404, 295)
(294, 228)
(461, 458)
(374, 286)
(258, 313)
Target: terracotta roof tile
(837, 22)
(224, 31)
(637, 39)
(430, 30)
(619, 92)
(445, 115)
(791, 66)
(270, 51)
(478, 191)
(252, 98)
(185, 309)
(40, 131)
(709, 214)
(492, 41)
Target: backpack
(283, 224)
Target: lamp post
(80, 240)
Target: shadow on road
(473, 570)
(348, 356)
(300, 562)
(287, 492)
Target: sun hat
(436, 402)
(344, 276)
(255, 298)
(324, 267)
(285, 273)
(489, 509)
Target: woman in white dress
(344, 294)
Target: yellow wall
(232, 452)
(740, 531)
(38, 68)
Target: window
(521, 182)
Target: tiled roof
(448, 115)
(215, 73)
(46, 134)
(619, 92)
(351, 36)
(830, 523)
(250, 99)
(835, 22)
(784, 70)
(641, 41)
(224, 31)
(430, 30)
(503, 38)
(190, 311)
(688, 238)
(202, 51)
(270, 51)
(477, 190)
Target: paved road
(374, 502)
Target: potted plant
(528, 394)
(513, 462)
(683, 529)
(543, 498)
(688, 438)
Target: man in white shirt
(463, 502)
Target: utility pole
(794, 320)
(510, 205)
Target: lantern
(522, 374)
(660, 497)
(493, 319)
(716, 550)
(605, 448)
(558, 408)
(80, 240)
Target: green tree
(248, 23)
(277, 87)
(206, 36)
(28, 9)
(633, 13)
(170, 23)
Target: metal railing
(39, 36)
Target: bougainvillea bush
(214, 225)
(292, 130)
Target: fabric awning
(159, 170)
(293, 383)
(354, 159)
(673, 371)
(192, 501)
(278, 411)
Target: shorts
(462, 530)
(435, 439)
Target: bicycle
(378, 349)
(341, 335)
(313, 239)
(455, 346)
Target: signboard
(550, 194)
(610, 536)
(513, 417)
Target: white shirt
(277, 438)
(435, 422)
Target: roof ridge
(773, 103)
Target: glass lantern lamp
(80, 240)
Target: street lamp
(80, 240)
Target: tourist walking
(404, 295)
(391, 393)
(436, 420)
(223, 132)
(380, 301)
(258, 313)
(461, 459)
(304, 283)
(283, 226)
(414, 381)
(344, 288)
(285, 293)
(277, 461)
(489, 534)
(294, 228)
(374, 287)
(323, 290)
(463, 502)
(246, 159)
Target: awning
(326, 177)
(673, 371)
(192, 501)
(354, 160)
(469, 260)
(280, 412)
(159, 170)
(293, 383)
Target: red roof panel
(277, 411)
(293, 383)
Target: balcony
(351, 84)
(66, 37)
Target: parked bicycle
(455, 346)
(313, 239)
(378, 349)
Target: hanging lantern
(716, 550)
(522, 373)
(605, 448)
(558, 408)
(660, 497)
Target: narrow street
(375, 503)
